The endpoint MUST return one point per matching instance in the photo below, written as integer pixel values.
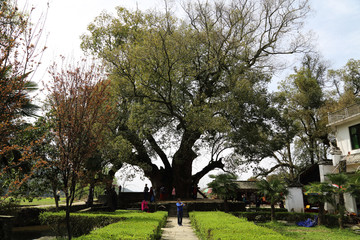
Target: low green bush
(8, 206)
(135, 226)
(330, 220)
(81, 223)
(288, 216)
(313, 233)
(120, 224)
(220, 225)
(266, 209)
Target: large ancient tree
(184, 84)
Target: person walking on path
(179, 205)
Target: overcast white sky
(335, 24)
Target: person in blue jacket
(179, 205)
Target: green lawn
(219, 225)
(40, 201)
(313, 233)
(121, 224)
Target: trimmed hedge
(330, 220)
(220, 225)
(121, 224)
(139, 226)
(215, 206)
(81, 223)
(266, 209)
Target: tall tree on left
(79, 111)
(20, 52)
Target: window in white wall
(355, 136)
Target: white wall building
(345, 124)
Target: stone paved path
(172, 231)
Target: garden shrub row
(220, 225)
(81, 223)
(120, 224)
(253, 209)
(139, 226)
(330, 220)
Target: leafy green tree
(273, 142)
(224, 187)
(297, 135)
(350, 76)
(18, 58)
(79, 112)
(274, 191)
(305, 97)
(320, 193)
(186, 83)
(345, 184)
(346, 85)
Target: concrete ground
(173, 231)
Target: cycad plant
(224, 187)
(345, 184)
(320, 193)
(274, 191)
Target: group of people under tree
(150, 193)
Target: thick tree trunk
(341, 210)
(321, 214)
(179, 173)
(67, 216)
(56, 198)
(182, 173)
(90, 200)
(226, 205)
(182, 164)
(273, 212)
(311, 150)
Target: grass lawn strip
(220, 225)
(314, 233)
(128, 224)
(137, 225)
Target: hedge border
(84, 225)
(220, 225)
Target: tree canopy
(189, 83)
(19, 52)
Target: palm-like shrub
(345, 184)
(224, 187)
(274, 191)
(320, 193)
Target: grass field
(313, 233)
(40, 201)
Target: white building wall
(343, 137)
(350, 203)
(324, 170)
(343, 142)
(295, 201)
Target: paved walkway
(172, 231)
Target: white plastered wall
(344, 143)
(295, 201)
(343, 137)
(350, 203)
